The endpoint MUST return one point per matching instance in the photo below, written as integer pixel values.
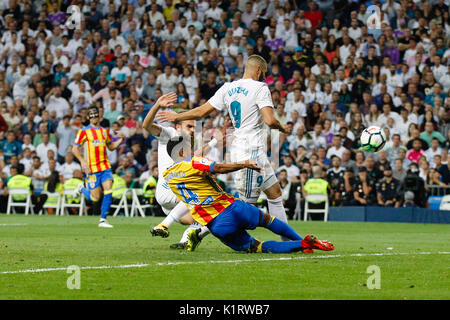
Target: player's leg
(107, 200)
(250, 183)
(223, 225)
(93, 192)
(176, 211)
(277, 226)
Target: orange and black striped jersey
(96, 140)
(191, 181)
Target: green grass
(58, 242)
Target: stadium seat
(445, 203)
(316, 198)
(65, 204)
(136, 204)
(56, 206)
(123, 204)
(12, 203)
(435, 202)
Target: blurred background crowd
(330, 77)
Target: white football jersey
(164, 159)
(243, 99)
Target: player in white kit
(164, 196)
(249, 103)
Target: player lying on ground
(226, 217)
(171, 206)
(97, 168)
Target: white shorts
(250, 183)
(165, 197)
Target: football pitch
(413, 262)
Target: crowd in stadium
(330, 76)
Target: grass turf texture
(58, 242)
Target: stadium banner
(381, 214)
(347, 214)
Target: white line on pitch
(125, 266)
(12, 224)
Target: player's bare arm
(166, 100)
(230, 167)
(270, 120)
(194, 114)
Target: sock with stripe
(194, 225)
(283, 229)
(277, 210)
(279, 246)
(204, 231)
(106, 203)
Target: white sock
(204, 231)
(176, 214)
(184, 237)
(276, 209)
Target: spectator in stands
(6, 169)
(288, 190)
(387, 195)
(347, 162)
(434, 178)
(43, 129)
(69, 166)
(443, 169)
(429, 134)
(349, 187)
(291, 169)
(43, 148)
(323, 161)
(416, 152)
(335, 177)
(10, 146)
(398, 172)
(27, 161)
(336, 147)
(65, 137)
(393, 148)
(364, 193)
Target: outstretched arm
(230, 167)
(166, 100)
(193, 114)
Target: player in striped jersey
(97, 168)
(227, 217)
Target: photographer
(415, 184)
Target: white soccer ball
(373, 139)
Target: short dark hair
(173, 143)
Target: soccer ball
(373, 139)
